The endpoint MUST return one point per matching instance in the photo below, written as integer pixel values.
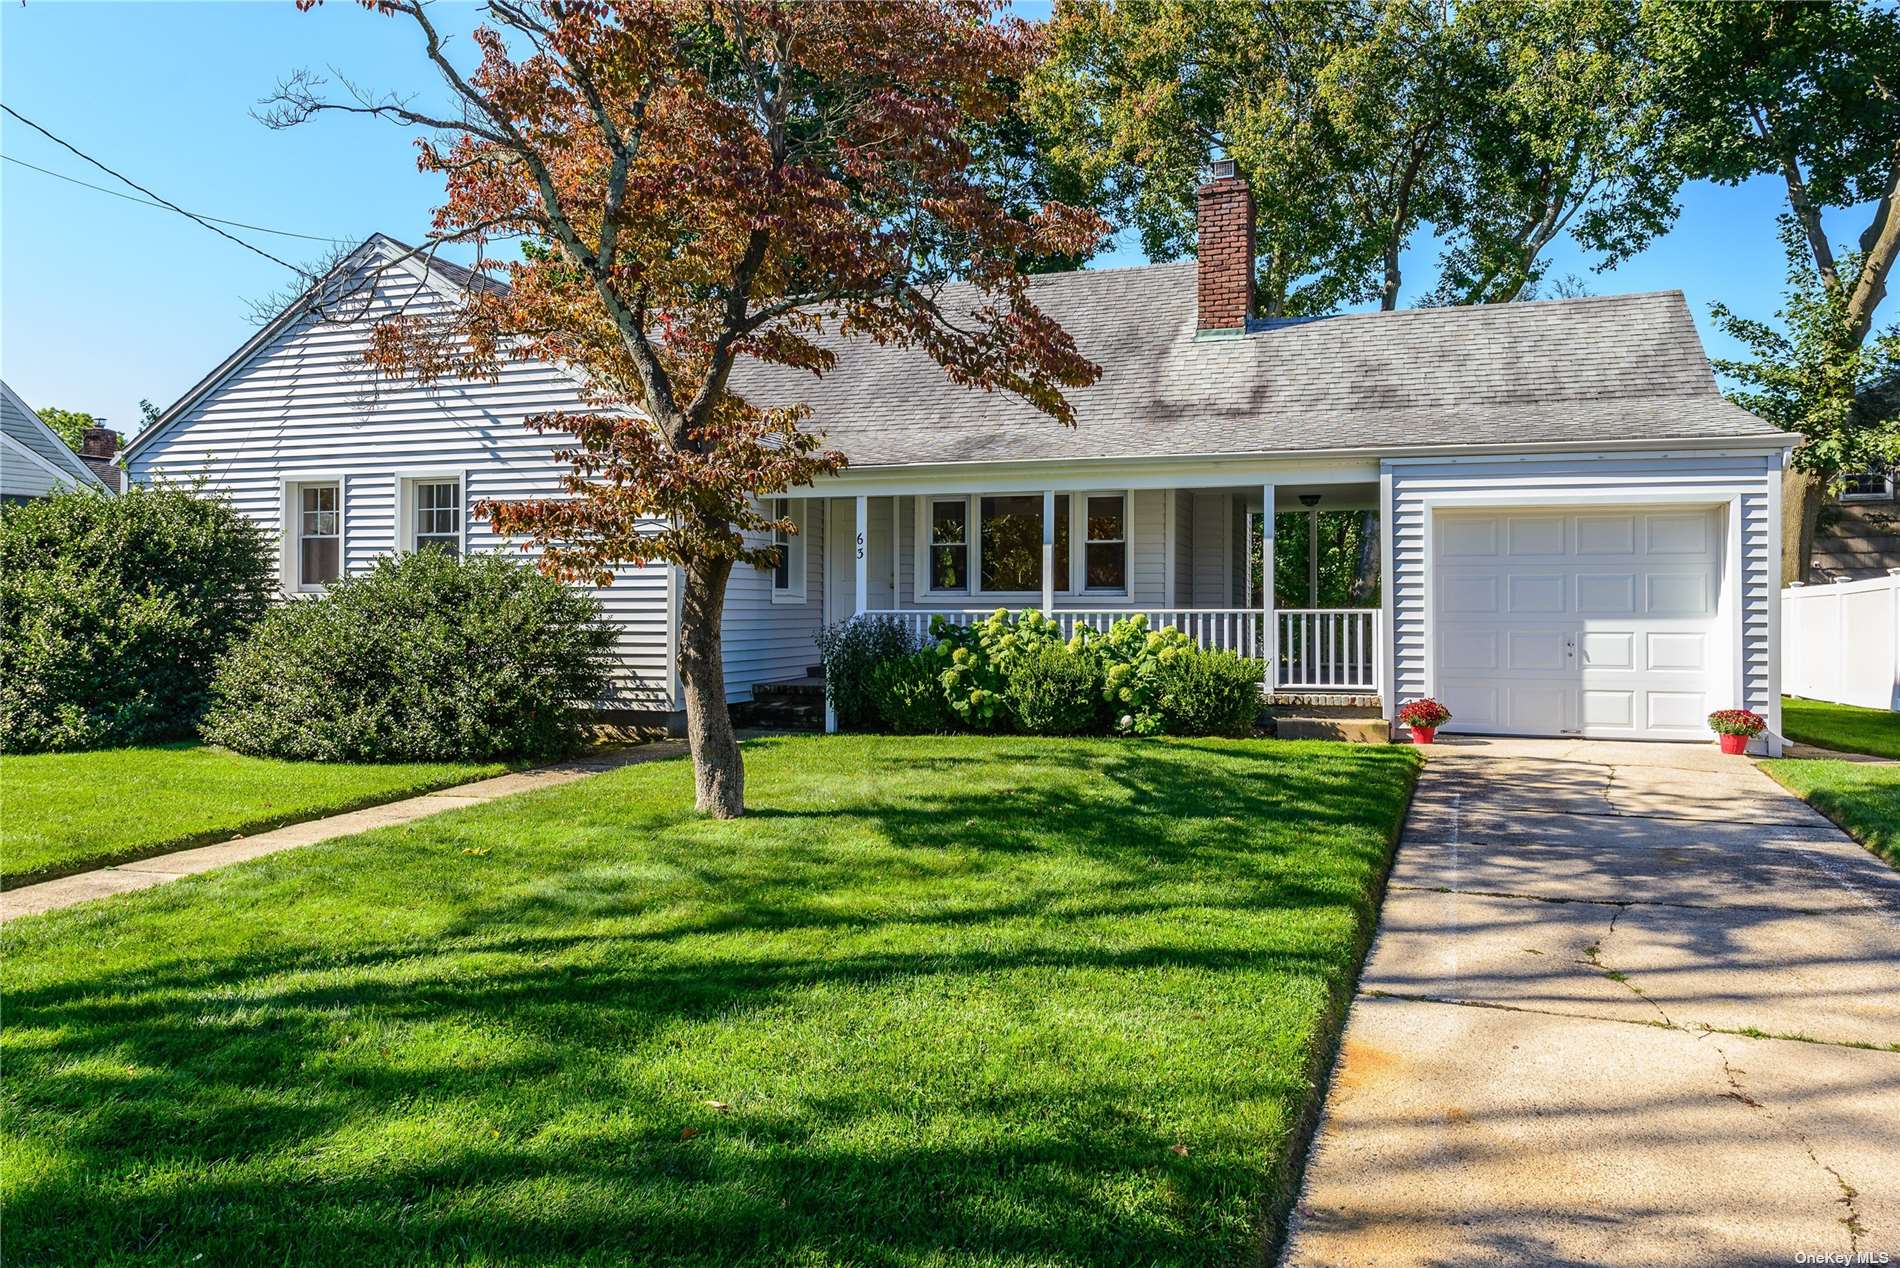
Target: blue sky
(104, 301)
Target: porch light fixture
(1309, 499)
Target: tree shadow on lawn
(971, 1021)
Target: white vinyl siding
(303, 402)
(768, 640)
(1748, 482)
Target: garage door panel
(1597, 622)
(1535, 594)
(1609, 649)
(1606, 534)
(1534, 535)
(1615, 709)
(1606, 594)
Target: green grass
(1841, 727)
(67, 812)
(960, 1000)
(1863, 797)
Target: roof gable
(21, 423)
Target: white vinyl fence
(1841, 642)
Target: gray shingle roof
(1620, 367)
(18, 420)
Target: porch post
(1049, 551)
(862, 524)
(1270, 634)
(1312, 558)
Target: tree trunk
(718, 770)
(1801, 493)
(1365, 574)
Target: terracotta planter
(1425, 734)
(1734, 743)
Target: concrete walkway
(51, 895)
(1579, 1036)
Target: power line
(149, 194)
(146, 202)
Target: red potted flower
(1736, 727)
(1424, 717)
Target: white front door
(1598, 622)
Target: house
(1577, 535)
(1859, 536)
(34, 461)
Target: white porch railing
(1328, 649)
(1320, 649)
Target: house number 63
(860, 545)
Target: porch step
(1350, 724)
(795, 705)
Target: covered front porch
(1189, 557)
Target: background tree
(70, 425)
(1500, 124)
(695, 183)
(1805, 93)
(1820, 376)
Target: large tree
(70, 425)
(701, 181)
(1810, 95)
(1500, 125)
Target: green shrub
(425, 658)
(1133, 660)
(1210, 693)
(907, 696)
(978, 659)
(114, 611)
(1053, 690)
(849, 649)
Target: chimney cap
(1222, 169)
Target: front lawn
(1841, 727)
(1863, 797)
(67, 812)
(956, 1000)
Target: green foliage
(1134, 659)
(907, 695)
(1502, 124)
(978, 658)
(1347, 543)
(1211, 693)
(425, 658)
(1816, 376)
(1055, 691)
(71, 424)
(114, 611)
(849, 650)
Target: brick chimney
(1224, 216)
(97, 447)
(98, 442)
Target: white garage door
(1597, 623)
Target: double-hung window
(950, 544)
(437, 514)
(1866, 486)
(788, 574)
(319, 527)
(1105, 554)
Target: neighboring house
(1578, 535)
(34, 461)
(1860, 537)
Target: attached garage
(1600, 622)
(1615, 596)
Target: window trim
(1072, 586)
(1885, 494)
(406, 482)
(290, 528)
(795, 557)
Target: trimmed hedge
(424, 658)
(850, 650)
(115, 610)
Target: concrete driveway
(1628, 1003)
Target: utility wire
(146, 202)
(166, 202)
